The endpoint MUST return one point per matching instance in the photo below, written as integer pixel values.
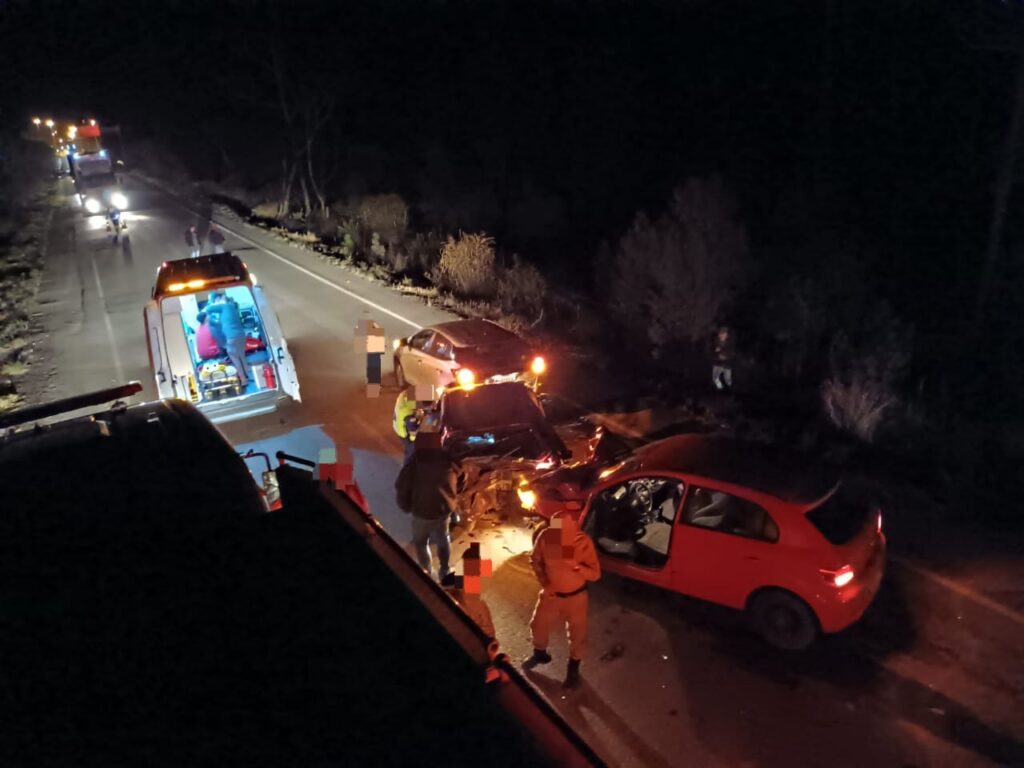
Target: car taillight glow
(839, 578)
(879, 522)
(538, 366)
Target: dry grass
(858, 405)
(14, 368)
(467, 266)
(9, 402)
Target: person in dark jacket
(225, 311)
(427, 488)
(216, 238)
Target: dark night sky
(874, 126)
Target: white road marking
(110, 326)
(321, 279)
(966, 592)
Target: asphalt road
(669, 681)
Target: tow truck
(182, 369)
(188, 620)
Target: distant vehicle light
(879, 522)
(466, 378)
(92, 205)
(118, 200)
(538, 366)
(72, 131)
(103, 153)
(36, 121)
(49, 123)
(92, 122)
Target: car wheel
(399, 375)
(783, 620)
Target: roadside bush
(424, 252)
(265, 211)
(386, 215)
(521, 290)
(466, 266)
(865, 370)
(352, 237)
(672, 278)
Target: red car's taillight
(839, 578)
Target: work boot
(538, 657)
(572, 674)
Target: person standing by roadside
(725, 351)
(194, 242)
(466, 588)
(405, 422)
(565, 562)
(216, 238)
(427, 488)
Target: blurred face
(562, 547)
(475, 567)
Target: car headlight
(466, 378)
(118, 200)
(92, 205)
(538, 366)
(527, 498)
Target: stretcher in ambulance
(192, 363)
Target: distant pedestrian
(216, 238)
(565, 562)
(725, 351)
(194, 242)
(427, 488)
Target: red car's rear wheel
(783, 619)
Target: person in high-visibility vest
(406, 423)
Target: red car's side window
(720, 511)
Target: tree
(998, 26)
(673, 277)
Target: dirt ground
(22, 253)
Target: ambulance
(203, 373)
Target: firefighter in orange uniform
(565, 562)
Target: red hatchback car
(731, 522)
